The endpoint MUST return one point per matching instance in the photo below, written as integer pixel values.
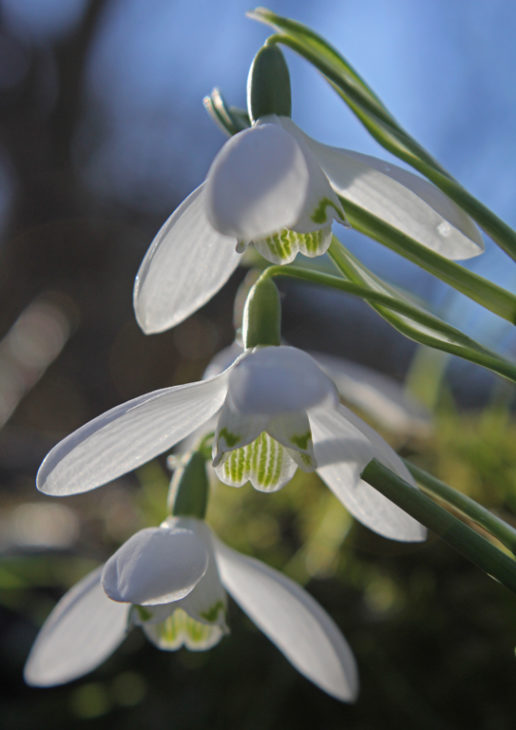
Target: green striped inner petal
(264, 462)
(180, 629)
(282, 247)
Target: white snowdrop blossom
(275, 410)
(275, 187)
(172, 581)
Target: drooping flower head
(267, 189)
(172, 582)
(275, 410)
(276, 188)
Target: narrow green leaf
(419, 325)
(407, 317)
(493, 524)
(457, 534)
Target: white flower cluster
(274, 409)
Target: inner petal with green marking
(180, 629)
(282, 247)
(293, 431)
(235, 430)
(264, 462)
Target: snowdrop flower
(273, 186)
(276, 410)
(172, 581)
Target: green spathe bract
(268, 84)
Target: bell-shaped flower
(172, 581)
(275, 410)
(273, 186)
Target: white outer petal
(84, 628)
(292, 620)
(128, 435)
(187, 263)
(156, 565)
(258, 183)
(343, 446)
(404, 200)
(277, 379)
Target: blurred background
(102, 134)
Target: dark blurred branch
(71, 57)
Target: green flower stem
(433, 331)
(480, 290)
(261, 318)
(457, 534)
(493, 524)
(188, 495)
(379, 122)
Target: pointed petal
(292, 620)
(264, 462)
(404, 200)
(179, 629)
(293, 431)
(343, 445)
(128, 435)
(274, 380)
(84, 628)
(186, 264)
(156, 565)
